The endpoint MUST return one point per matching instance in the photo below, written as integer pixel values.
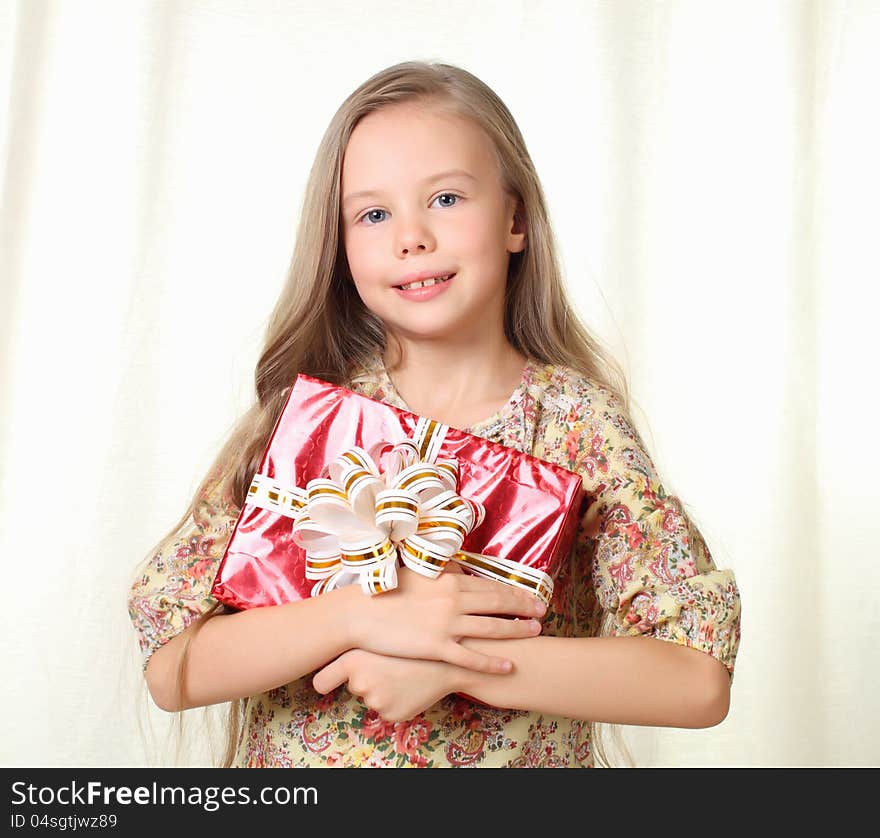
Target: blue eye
(447, 195)
(369, 213)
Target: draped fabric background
(712, 174)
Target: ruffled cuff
(159, 616)
(702, 612)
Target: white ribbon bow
(355, 525)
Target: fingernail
(506, 666)
(540, 608)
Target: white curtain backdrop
(711, 168)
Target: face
(418, 217)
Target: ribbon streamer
(356, 520)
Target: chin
(418, 329)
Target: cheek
(482, 238)
(363, 265)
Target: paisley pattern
(638, 560)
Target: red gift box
(425, 493)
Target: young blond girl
(425, 275)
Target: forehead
(409, 141)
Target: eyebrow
(366, 193)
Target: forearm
(238, 655)
(619, 680)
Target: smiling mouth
(425, 283)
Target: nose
(412, 236)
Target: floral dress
(638, 561)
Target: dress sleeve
(173, 585)
(652, 571)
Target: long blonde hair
(320, 326)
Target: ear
(516, 237)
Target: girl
(425, 275)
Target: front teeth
(425, 283)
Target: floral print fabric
(639, 564)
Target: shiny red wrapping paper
(532, 507)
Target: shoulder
(571, 395)
(215, 507)
(580, 416)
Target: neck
(454, 377)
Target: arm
(237, 655)
(622, 680)
(618, 680)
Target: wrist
(347, 615)
(472, 682)
(463, 680)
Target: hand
(425, 618)
(396, 688)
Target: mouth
(425, 289)
(425, 283)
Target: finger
(468, 659)
(480, 584)
(502, 599)
(330, 677)
(497, 628)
